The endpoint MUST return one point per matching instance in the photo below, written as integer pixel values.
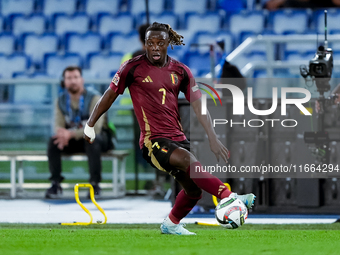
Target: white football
(231, 213)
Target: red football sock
(208, 182)
(183, 205)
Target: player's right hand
(219, 150)
(89, 134)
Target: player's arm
(215, 144)
(100, 108)
(193, 95)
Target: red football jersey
(154, 93)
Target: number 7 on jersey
(164, 94)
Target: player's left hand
(219, 150)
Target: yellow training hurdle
(76, 194)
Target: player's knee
(186, 161)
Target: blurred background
(39, 38)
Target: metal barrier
(270, 41)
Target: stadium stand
(13, 63)
(9, 7)
(282, 21)
(55, 64)
(209, 22)
(165, 17)
(36, 46)
(333, 19)
(1, 24)
(51, 7)
(138, 7)
(197, 62)
(247, 21)
(124, 43)
(83, 44)
(206, 38)
(94, 7)
(78, 23)
(185, 6)
(7, 42)
(35, 23)
(37, 27)
(114, 24)
(104, 65)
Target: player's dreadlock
(174, 37)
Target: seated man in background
(72, 110)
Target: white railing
(270, 64)
(54, 83)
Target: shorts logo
(115, 79)
(164, 150)
(156, 144)
(174, 78)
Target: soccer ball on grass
(231, 213)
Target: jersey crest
(174, 78)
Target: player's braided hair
(174, 37)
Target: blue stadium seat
(137, 7)
(52, 7)
(228, 40)
(333, 20)
(83, 44)
(36, 46)
(93, 7)
(231, 5)
(32, 93)
(258, 46)
(185, 6)
(247, 21)
(35, 23)
(78, 23)
(13, 64)
(210, 22)
(1, 24)
(104, 65)
(288, 20)
(244, 59)
(124, 43)
(300, 56)
(165, 17)
(55, 64)
(176, 53)
(300, 47)
(335, 46)
(112, 24)
(188, 37)
(199, 64)
(211, 38)
(7, 43)
(9, 7)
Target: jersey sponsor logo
(148, 79)
(195, 88)
(174, 78)
(115, 79)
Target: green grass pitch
(146, 239)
